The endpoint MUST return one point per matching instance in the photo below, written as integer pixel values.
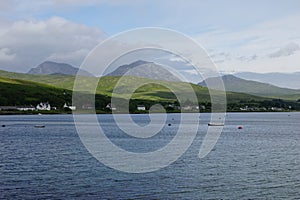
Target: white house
(141, 107)
(70, 107)
(43, 106)
(109, 106)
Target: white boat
(215, 124)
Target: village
(42, 106)
(144, 108)
(45, 106)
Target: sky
(256, 36)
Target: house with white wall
(43, 106)
(70, 107)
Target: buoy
(169, 124)
(240, 127)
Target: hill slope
(236, 84)
(59, 90)
(20, 92)
(108, 82)
(285, 80)
(153, 92)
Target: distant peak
(54, 63)
(140, 62)
(54, 68)
(230, 76)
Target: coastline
(138, 112)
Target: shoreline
(105, 113)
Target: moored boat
(39, 126)
(215, 124)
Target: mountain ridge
(54, 68)
(279, 79)
(236, 84)
(145, 69)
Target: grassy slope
(20, 92)
(155, 92)
(54, 80)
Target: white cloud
(286, 50)
(71, 56)
(256, 47)
(33, 41)
(174, 58)
(6, 55)
(32, 7)
(265, 64)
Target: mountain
(53, 68)
(145, 69)
(285, 80)
(235, 84)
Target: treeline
(265, 105)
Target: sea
(261, 160)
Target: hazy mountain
(144, 69)
(236, 84)
(285, 80)
(53, 68)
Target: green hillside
(20, 92)
(59, 81)
(14, 92)
(235, 84)
(25, 89)
(154, 92)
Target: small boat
(39, 126)
(215, 124)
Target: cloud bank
(27, 43)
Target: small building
(109, 106)
(26, 108)
(141, 107)
(70, 107)
(43, 106)
(187, 108)
(276, 109)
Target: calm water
(260, 161)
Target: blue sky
(260, 36)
